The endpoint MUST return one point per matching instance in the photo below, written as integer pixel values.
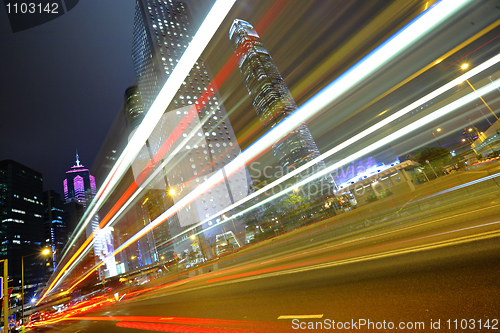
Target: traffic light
(1, 286)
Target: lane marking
(318, 316)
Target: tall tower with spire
(271, 97)
(80, 188)
(79, 184)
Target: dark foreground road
(456, 281)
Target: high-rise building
(79, 184)
(79, 189)
(21, 214)
(206, 140)
(271, 97)
(154, 200)
(55, 226)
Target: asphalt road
(435, 270)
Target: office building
(21, 212)
(79, 189)
(271, 97)
(54, 226)
(204, 138)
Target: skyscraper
(21, 212)
(79, 184)
(80, 188)
(156, 199)
(162, 32)
(270, 96)
(54, 224)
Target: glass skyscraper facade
(21, 211)
(55, 225)
(270, 96)
(206, 141)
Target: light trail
(203, 36)
(487, 64)
(377, 58)
(335, 261)
(386, 140)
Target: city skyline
(78, 102)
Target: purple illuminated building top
(79, 184)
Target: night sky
(62, 85)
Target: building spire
(77, 159)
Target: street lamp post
(435, 174)
(434, 135)
(44, 252)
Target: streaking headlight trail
(361, 135)
(388, 139)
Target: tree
(295, 204)
(432, 158)
(440, 154)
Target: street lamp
(132, 262)
(434, 135)
(465, 66)
(44, 252)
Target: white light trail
(361, 135)
(388, 139)
(270, 137)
